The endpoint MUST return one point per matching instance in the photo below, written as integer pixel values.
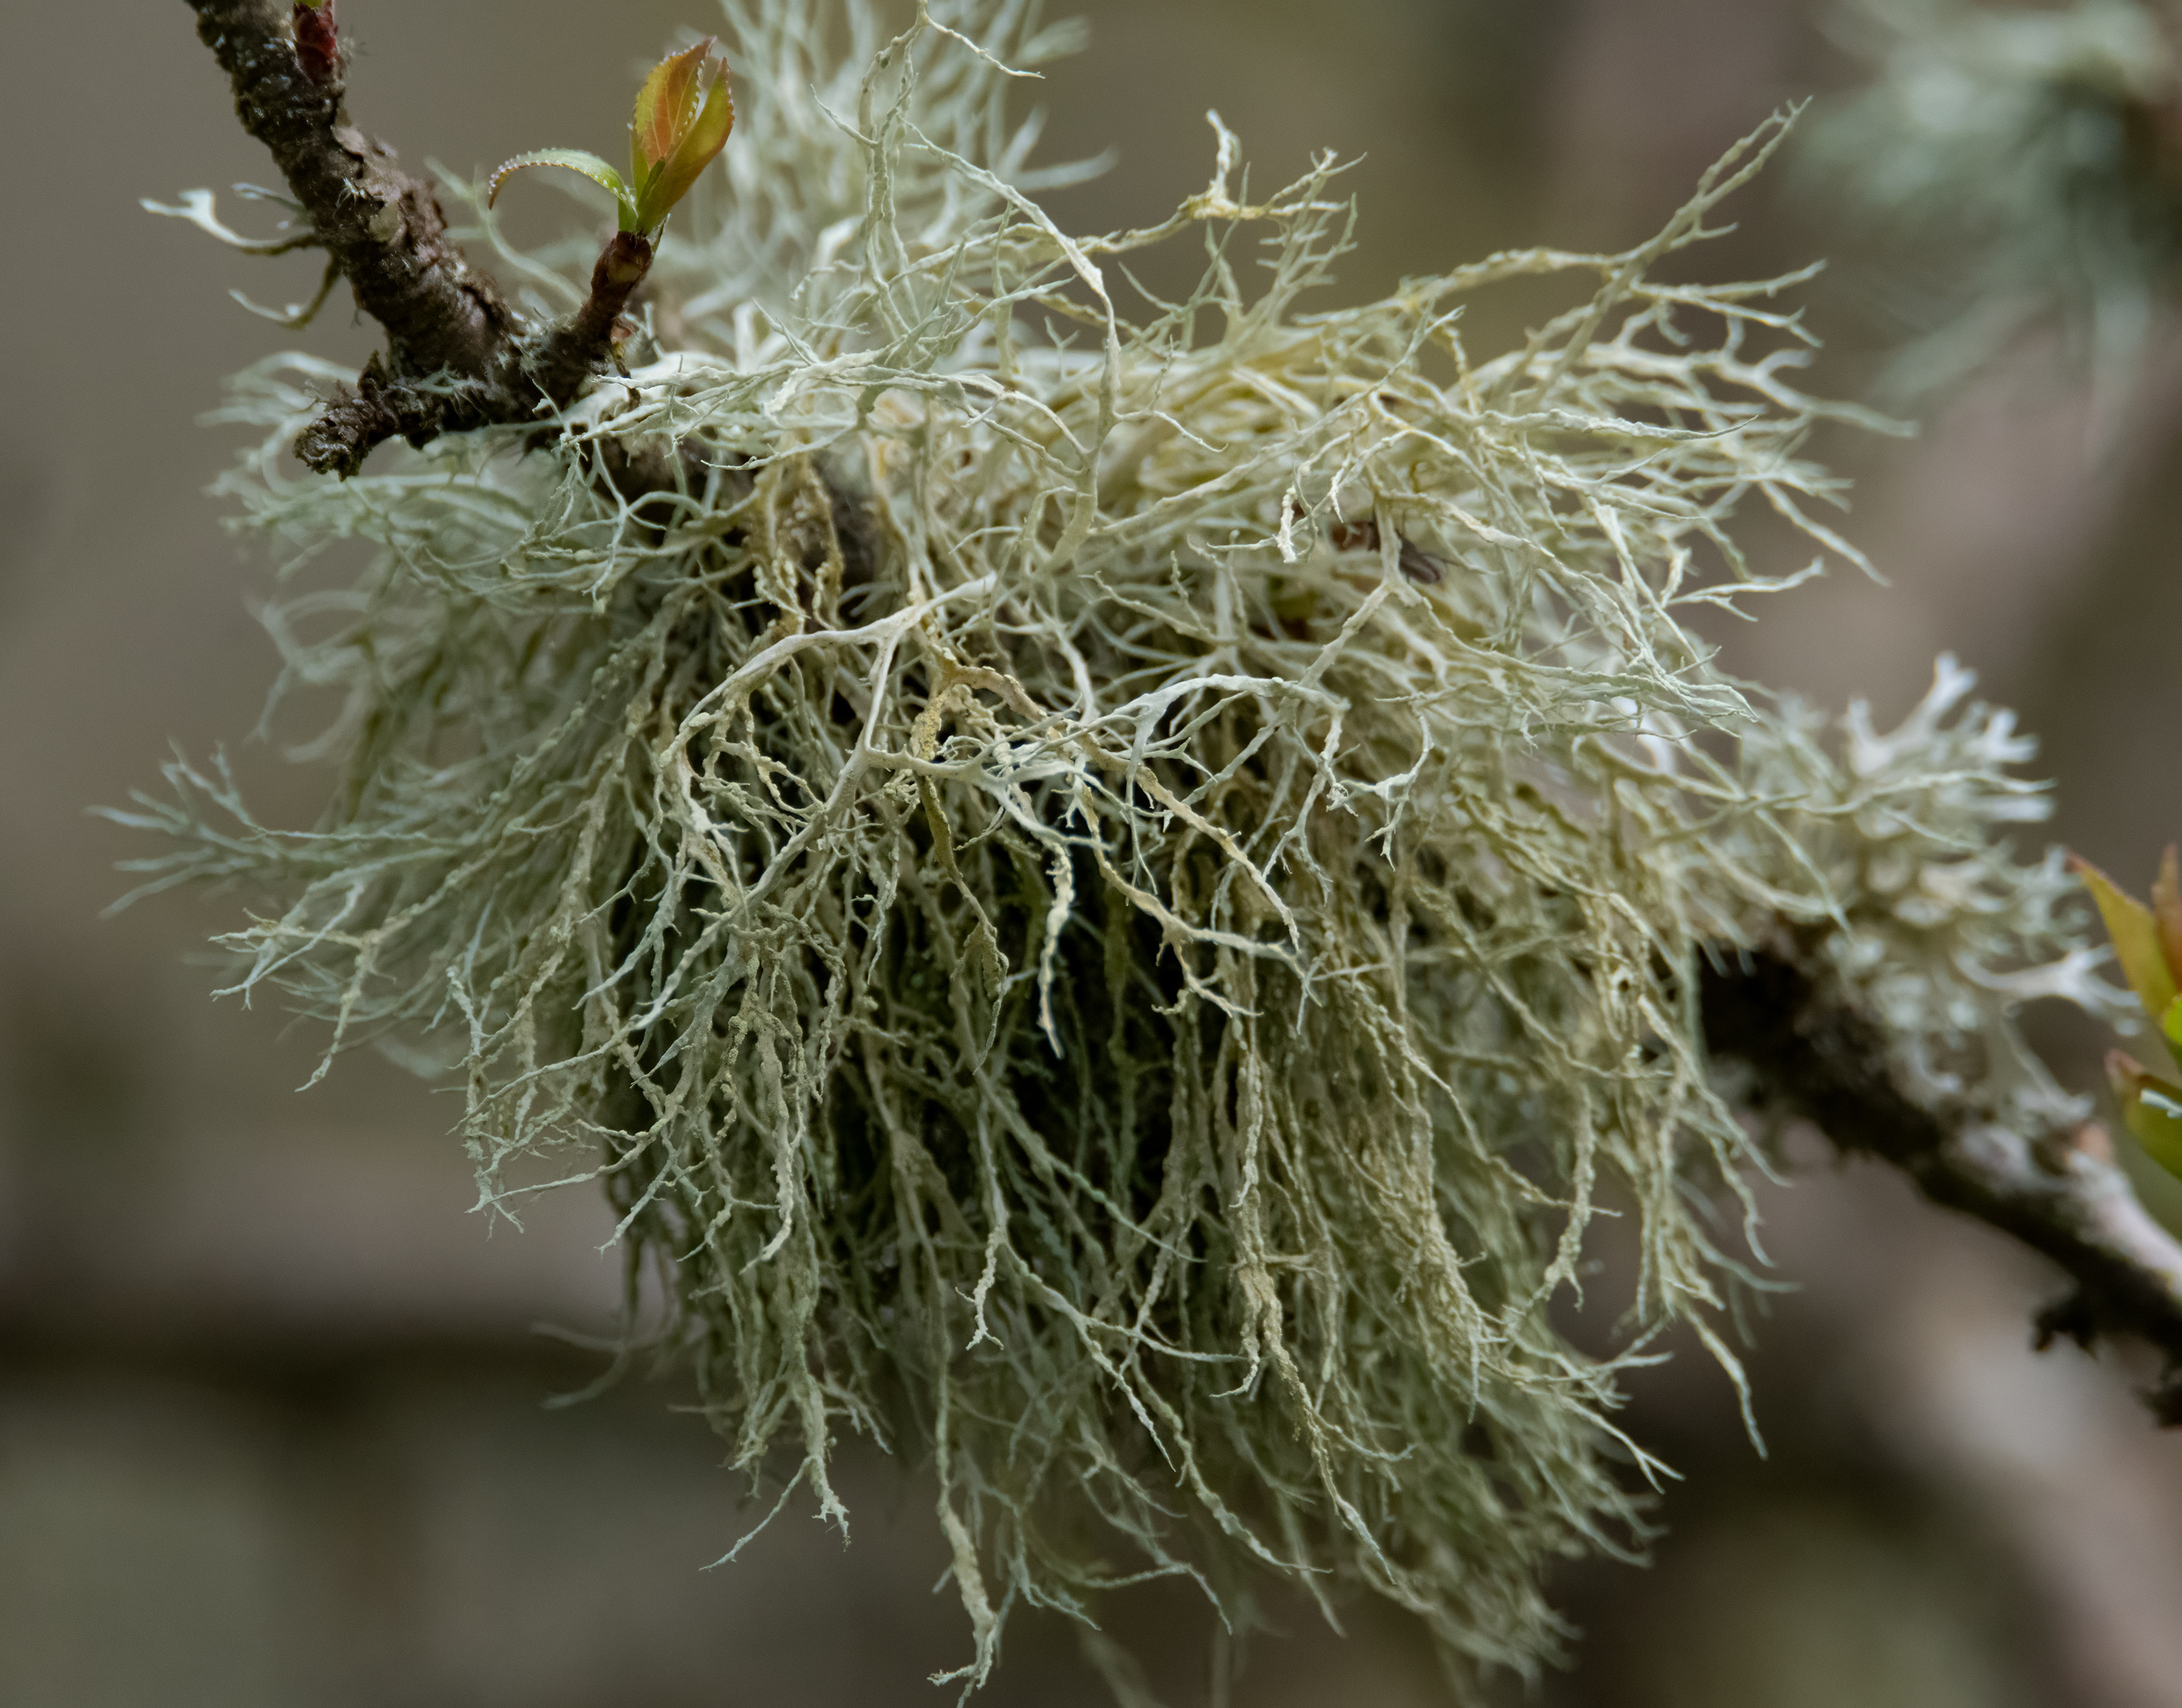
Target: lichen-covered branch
(1107, 897)
(2058, 1191)
(2021, 169)
(458, 354)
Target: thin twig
(2057, 1191)
(457, 355)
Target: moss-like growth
(1107, 891)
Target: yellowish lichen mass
(1108, 886)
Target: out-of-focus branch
(2057, 1191)
(456, 356)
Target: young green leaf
(575, 160)
(666, 107)
(696, 150)
(2151, 1108)
(2167, 909)
(2136, 941)
(677, 129)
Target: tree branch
(457, 356)
(2057, 1191)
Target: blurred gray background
(271, 1429)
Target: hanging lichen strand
(1106, 889)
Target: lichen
(2019, 171)
(1109, 885)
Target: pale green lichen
(1067, 950)
(2020, 170)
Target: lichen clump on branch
(2021, 167)
(1106, 885)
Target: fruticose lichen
(1108, 885)
(2021, 168)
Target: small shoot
(2148, 941)
(318, 40)
(679, 126)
